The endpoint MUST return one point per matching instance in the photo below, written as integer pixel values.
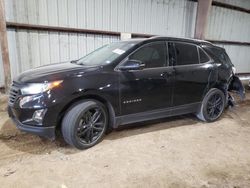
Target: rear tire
(85, 124)
(212, 106)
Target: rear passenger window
(203, 57)
(186, 54)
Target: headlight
(39, 87)
(25, 100)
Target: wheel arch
(223, 87)
(89, 96)
(202, 114)
(233, 84)
(218, 85)
(236, 85)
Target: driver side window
(152, 55)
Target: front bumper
(48, 132)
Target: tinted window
(222, 56)
(228, 59)
(225, 59)
(203, 57)
(186, 54)
(153, 55)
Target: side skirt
(156, 114)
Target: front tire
(85, 124)
(212, 106)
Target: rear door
(192, 72)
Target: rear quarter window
(222, 56)
(203, 56)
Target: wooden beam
(229, 6)
(201, 18)
(15, 25)
(4, 47)
(25, 26)
(239, 43)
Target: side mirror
(132, 65)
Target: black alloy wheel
(91, 125)
(85, 124)
(215, 106)
(212, 106)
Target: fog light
(39, 115)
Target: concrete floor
(174, 152)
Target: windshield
(106, 54)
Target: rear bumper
(47, 132)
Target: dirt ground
(175, 152)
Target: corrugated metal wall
(240, 56)
(172, 17)
(240, 3)
(163, 17)
(35, 48)
(232, 25)
(30, 49)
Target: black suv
(122, 83)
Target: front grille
(14, 93)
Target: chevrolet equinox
(123, 83)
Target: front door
(150, 88)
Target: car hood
(52, 72)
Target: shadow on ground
(28, 143)
(152, 126)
